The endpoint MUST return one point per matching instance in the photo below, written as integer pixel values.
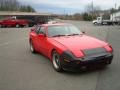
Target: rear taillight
(109, 48)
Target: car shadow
(86, 71)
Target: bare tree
(14, 5)
(90, 8)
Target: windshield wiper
(73, 34)
(58, 35)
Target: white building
(115, 16)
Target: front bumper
(85, 62)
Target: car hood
(79, 42)
(94, 21)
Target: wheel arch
(30, 39)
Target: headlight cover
(109, 48)
(68, 56)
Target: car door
(99, 20)
(5, 22)
(42, 41)
(34, 36)
(8, 22)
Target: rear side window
(37, 29)
(40, 30)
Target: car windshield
(63, 30)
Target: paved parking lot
(22, 70)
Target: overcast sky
(68, 6)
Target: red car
(12, 22)
(68, 48)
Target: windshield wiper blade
(73, 34)
(58, 35)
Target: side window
(37, 29)
(41, 30)
(98, 19)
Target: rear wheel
(56, 61)
(17, 26)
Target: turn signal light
(66, 60)
(109, 48)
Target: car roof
(54, 24)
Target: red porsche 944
(68, 48)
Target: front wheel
(56, 61)
(0, 25)
(95, 23)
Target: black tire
(0, 26)
(102, 23)
(95, 23)
(17, 25)
(32, 49)
(56, 61)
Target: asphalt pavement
(22, 70)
